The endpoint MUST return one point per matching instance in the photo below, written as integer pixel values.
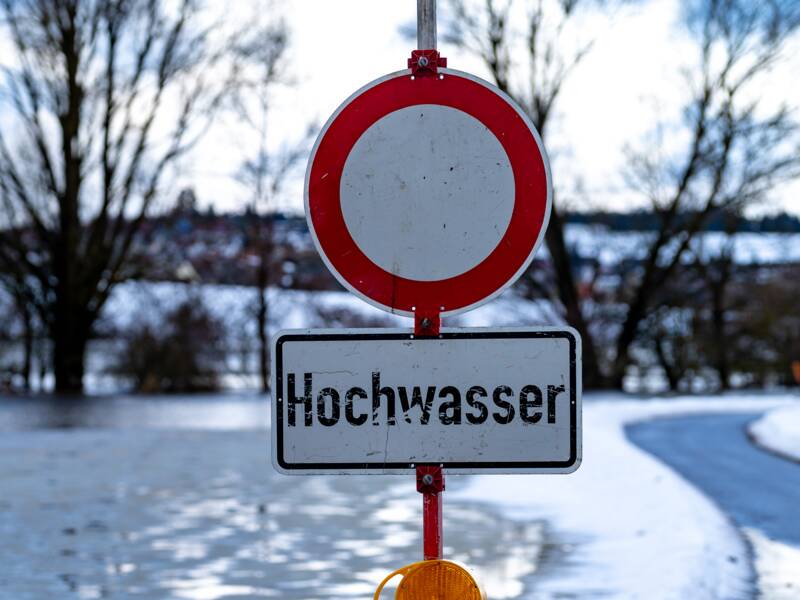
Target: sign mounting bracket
(427, 323)
(426, 62)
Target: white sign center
(427, 192)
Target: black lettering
(552, 392)
(377, 392)
(416, 400)
(483, 411)
(348, 406)
(454, 405)
(525, 404)
(335, 410)
(503, 419)
(306, 400)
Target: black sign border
(406, 466)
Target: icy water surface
(234, 411)
(124, 503)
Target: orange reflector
(434, 580)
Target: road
(758, 490)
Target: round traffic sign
(428, 194)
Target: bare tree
(100, 98)
(738, 149)
(716, 270)
(266, 173)
(533, 74)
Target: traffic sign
(383, 401)
(428, 194)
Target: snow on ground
(137, 303)
(637, 529)
(777, 566)
(779, 431)
(611, 247)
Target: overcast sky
(630, 80)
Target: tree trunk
(670, 371)
(568, 294)
(264, 244)
(44, 359)
(718, 335)
(70, 338)
(262, 318)
(636, 313)
(27, 322)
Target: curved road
(758, 490)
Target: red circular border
(393, 292)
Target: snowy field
(177, 499)
(779, 431)
(134, 304)
(748, 248)
(143, 302)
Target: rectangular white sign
(383, 401)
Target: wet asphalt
(756, 488)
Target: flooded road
(228, 411)
(176, 498)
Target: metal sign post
(426, 24)
(430, 483)
(427, 194)
(430, 480)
